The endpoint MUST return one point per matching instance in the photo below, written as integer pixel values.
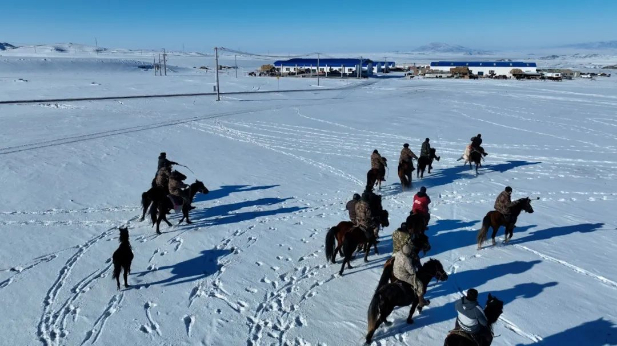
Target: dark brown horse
(475, 157)
(339, 231)
(420, 243)
(492, 311)
(426, 161)
(405, 169)
(495, 220)
(375, 176)
(416, 224)
(389, 296)
(162, 206)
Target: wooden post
(165, 60)
(216, 59)
(154, 65)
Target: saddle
(463, 335)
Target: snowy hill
(436, 48)
(5, 46)
(602, 45)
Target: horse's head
(124, 234)
(384, 218)
(198, 186)
(526, 204)
(420, 241)
(435, 269)
(493, 309)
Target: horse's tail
(385, 275)
(145, 202)
(486, 223)
(153, 210)
(373, 311)
(330, 239)
(117, 268)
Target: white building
(486, 68)
(339, 67)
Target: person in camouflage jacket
(400, 237)
(503, 203)
(406, 154)
(162, 178)
(364, 218)
(351, 207)
(405, 271)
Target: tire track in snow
(99, 325)
(579, 270)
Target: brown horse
(405, 169)
(475, 157)
(495, 220)
(492, 311)
(339, 231)
(389, 296)
(163, 205)
(416, 223)
(374, 177)
(420, 243)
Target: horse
(495, 220)
(388, 297)
(476, 157)
(492, 311)
(426, 161)
(162, 207)
(405, 169)
(416, 223)
(122, 257)
(338, 233)
(375, 176)
(155, 193)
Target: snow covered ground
(280, 167)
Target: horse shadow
(453, 234)
(227, 190)
(446, 176)
(549, 233)
(479, 277)
(522, 291)
(226, 213)
(593, 333)
(193, 269)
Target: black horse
(123, 257)
(476, 157)
(351, 241)
(495, 220)
(426, 161)
(374, 177)
(156, 193)
(162, 206)
(492, 311)
(388, 297)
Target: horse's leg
(375, 248)
(145, 206)
(337, 250)
(185, 212)
(495, 229)
(412, 310)
(509, 234)
(165, 219)
(126, 273)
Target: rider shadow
(549, 233)
(443, 240)
(190, 270)
(227, 190)
(522, 291)
(479, 277)
(449, 175)
(226, 213)
(593, 333)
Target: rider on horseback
(420, 205)
(503, 203)
(163, 162)
(378, 164)
(476, 143)
(405, 262)
(351, 207)
(407, 155)
(364, 217)
(471, 318)
(162, 178)
(400, 237)
(178, 188)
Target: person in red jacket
(420, 204)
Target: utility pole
(360, 69)
(317, 69)
(216, 60)
(160, 74)
(96, 43)
(385, 64)
(154, 65)
(236, 63)
(165, 61)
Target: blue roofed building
(487, 68)
(331, 66)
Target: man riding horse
(420, 205)
(405, 263)
(503, 203)
(476, 144)
(378, 164)
(351, 207)
(471, 318)
(163, 162)
(400, 237)
(364, 217)
(406, 156)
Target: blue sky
(307, 26)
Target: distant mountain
(5, 46)
(437, 47)
(594, 45)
